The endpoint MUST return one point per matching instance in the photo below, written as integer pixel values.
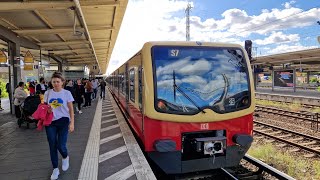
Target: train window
(121, 82)
(131, 81)
(115, 80)
(140, 86)
(126, 87)
(191, 79)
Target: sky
(274, 26)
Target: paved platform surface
(299, 92)
(24, 153)
(119, 156)
(102, 147)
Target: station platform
(101, 147)
(289, 92)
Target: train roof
(191, 43)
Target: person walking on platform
(79, 94)
(102, 85)
(19, 96)
(88, 92)
(60, 101)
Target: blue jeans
(57, 135)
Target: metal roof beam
(99, 3)
(19, 6)
(59, 30)
(77, 56)
(61, 43)
(10, 36)
(71, 51)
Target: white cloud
(289, 48)
(153, 20)
(288, 5)
(278, 37)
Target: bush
(313, 80)
(3, 88)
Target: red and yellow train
(190, 103)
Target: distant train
(190, 103)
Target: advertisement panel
(283, 78)
(3, 57)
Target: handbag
(42, 115)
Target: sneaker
(1, 109)
(65, 163)
(77, 109)
(55, 174)
(80, 112)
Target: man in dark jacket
(102, 85)
(42, 87)
(79, 94)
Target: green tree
(3, 88)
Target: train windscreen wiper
(175, 87)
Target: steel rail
(267, 168)
(289, 131)
(289, 142)
(304, 113)
(230, 176)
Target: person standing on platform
(60, 101)
(19, 96)
(95, 88)
(32, 88)
(102, 85)
(79, 94)
(41, 88)
(1, 109)
(88, 92)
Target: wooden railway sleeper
(309, 143)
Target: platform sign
(3, 57)
(28, 58)
(28, 67)
(283, 78)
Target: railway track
(232, 174)
(293, 138)
(288, 103)
(311, 117)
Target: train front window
(191, 79)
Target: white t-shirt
(95, 84)
(59, 102)
(43, 87)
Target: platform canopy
(310, 56)
(82, 32)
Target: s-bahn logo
(204, 126)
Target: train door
(119, 78)
(126, 76)
(140, 93)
